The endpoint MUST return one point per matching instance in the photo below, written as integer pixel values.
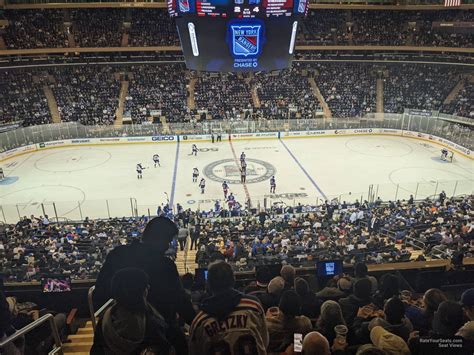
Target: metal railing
(33, 325)
(95, 314)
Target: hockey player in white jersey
(156, 159)
(202, 185)
(195, 174)
(140, 169)
(194, 150)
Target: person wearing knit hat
(166, 293)
(467, 330)
(288, 273)
(271, 297)
(467, 302)
(331, 315)
(448, 319)
(390, 343)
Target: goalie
(447, 155)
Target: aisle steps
(319, 96)
(119, 112)
(52, 104)
(454, 92)
(379, 90)
(191, 87)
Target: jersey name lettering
(233, 321)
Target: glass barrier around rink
(435, 125)
(131, 207)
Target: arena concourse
(151, 207)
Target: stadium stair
(455, 91)
(119, 112)
(253, 91)
(166, 126)
(191, 87)
(379, 102)
(319, 96)
(81, 342)
(52, 104)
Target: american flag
(449, 3)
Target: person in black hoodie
(166, 293)
(361, 297)
(229, 322)
(131, 325)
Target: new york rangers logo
(246, 40)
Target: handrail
(33, 325)
(95, 314)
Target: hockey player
(195, 174)
(243, 175)
(202, 185)
(194, 150)
(140, 169)
(444, 154)
(242, 157)
(156, 159)
(272, 185)
(231, 201)
(2, 174)
(225, 188)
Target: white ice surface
(102, 179)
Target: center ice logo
(227, 170)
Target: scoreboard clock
(237, 35)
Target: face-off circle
(227, 170)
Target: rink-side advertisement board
(341, 132)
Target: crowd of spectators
(463, 103)
(349, 90)
(22, 98)
(373, 233)
(90, 94)
(97, 27)
(154, 27)
(157, 90)
(382, 27)
(418, 86)
(223, 95)
(35, 29)
(345, 314)
(86, 94)
(286, 93)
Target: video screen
(51, 284)
(329, 268)
(238, 45)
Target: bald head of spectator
(316, 343)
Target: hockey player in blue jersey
(272, 185)
(225, 188)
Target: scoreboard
(237, 35)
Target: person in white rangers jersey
(229, 322)
(156, 159)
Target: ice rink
(100, 181)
